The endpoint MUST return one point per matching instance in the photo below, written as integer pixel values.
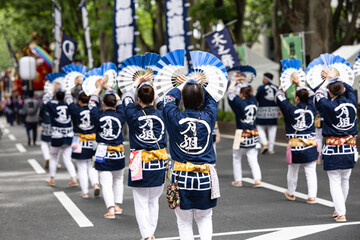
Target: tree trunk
(275, 32)
(240, 10)
(160, 33)
(320, 23)
(104, 43)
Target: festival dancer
(45, 129)
(31, 111)
(300, 130)
(191, 148)
(84, 130)
(148, 145)
(340, 130)
(61, 137)
(267, 113)
(110, 156)
(244, 106)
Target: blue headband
(191, 80)
(111, 91)
(336, 79)
(60, 90)
(81, 91)
(244, 85)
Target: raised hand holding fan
(54, 79)
(210, 72)
(318, 68)
(167, 69)
(74, 74)
(128, 71)
(109, 72)
(92, 81)
(291, 68)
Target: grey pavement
(30, 210)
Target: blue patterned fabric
(339, 120)
(267, 109)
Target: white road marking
(20, 147)
(280, 233)
(73, 210)
(6, 131)
(9, 154)
(282, 190)
(12, 137)
(276, 143)
(36, 166)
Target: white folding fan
(92, 80)
(72, 72)
(356, 66)
(212, 71)
(51, 79)
(128, 71)
(167, 69)
(316, 69)
(290, 68)
(109, 72)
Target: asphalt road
(29, 209)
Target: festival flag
(68, 50)
(124, 30)
(177, 29)
(222, 46)
(292, 47)
(85, 21)
(12, 54)
(57, 34)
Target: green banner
(291, 47)
(241, 53)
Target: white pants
(272, 135)
(203, 220)
(310, 174)
(86, 172)
(54, 160)
(112, 184)
(252, 157)
(339, 188)
(146, 202)
(45, 148)
(319, 138)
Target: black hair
(336, 88)
(246, 92)
(303, 95)
(146, 94)
(193, 96)
(269, 75)
(83, 98)
(110, 100)
(60, 95)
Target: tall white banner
(85, 21)
(57, 35)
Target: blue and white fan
(92, 80)
(149, 61)
(51, 79)
(321, 65)
(167, 69)
(212, 71)
(72, 72)
(356, 66)
(110, 74)
(249, 72)
(129, 70)
(291, 67)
